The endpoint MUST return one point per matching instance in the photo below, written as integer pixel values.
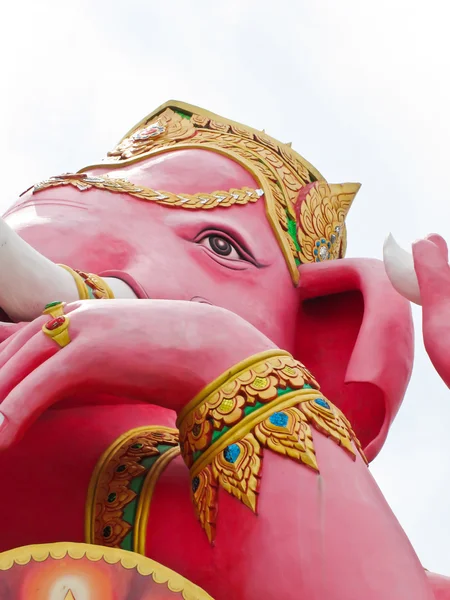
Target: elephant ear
(355, 333)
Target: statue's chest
(50, 471)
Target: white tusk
(399, 266)
(29, 280)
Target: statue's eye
(221, 246)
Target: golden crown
(306, 213)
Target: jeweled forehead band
(84, 182)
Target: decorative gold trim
(123, 186)
(89, 285)
(263, 378)
(321, 232)
(247, 424)
(129, 560)
(81, 287)
(234, 372)
(267, 401)
(234, 461)
(178, 126)
(96, 286)
(108, 479)
(145, 498)
(196, 110)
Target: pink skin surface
(433, 274)
(166, 250)
(322, 536)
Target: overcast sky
(362, 90)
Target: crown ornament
(307, 214)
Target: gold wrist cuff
(269, 401)
(89, 285)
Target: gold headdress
(306, 213)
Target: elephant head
(190, 206)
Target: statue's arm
(158, 351)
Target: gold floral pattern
(327, 420)
(240, 477)
(204, 497)
(110, 490)
(268, 402)
(220, 198)
(167, 128)
(289, 434)
(225, 406)
(321, 234)
(97, 286)
(279, 170)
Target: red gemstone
(55, 323)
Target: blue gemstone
(316, 251)
(329, 245)
(280, 419)
(323, 241)
(317, 244)
(195, 484)
(322, 402)
(231, 453)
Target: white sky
(362, 90)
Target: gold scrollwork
(132, 458)
(224, 404)
(280, 171)
(269, 401)
(322, 234)
(122, 186)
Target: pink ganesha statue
(194, 379)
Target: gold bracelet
(90, 286)
(268, 401)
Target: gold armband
(90, 286)
(268, 401)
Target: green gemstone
(52, 304)
(182, 114)
(112, 497)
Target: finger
(39, 390)
(68, 308)
(440, 243)
(15, 343)
(12, 346)
(28, 357)
(433, 273)
(9, 329)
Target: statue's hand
(424, 279)
(159, 351)
(433, 274)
